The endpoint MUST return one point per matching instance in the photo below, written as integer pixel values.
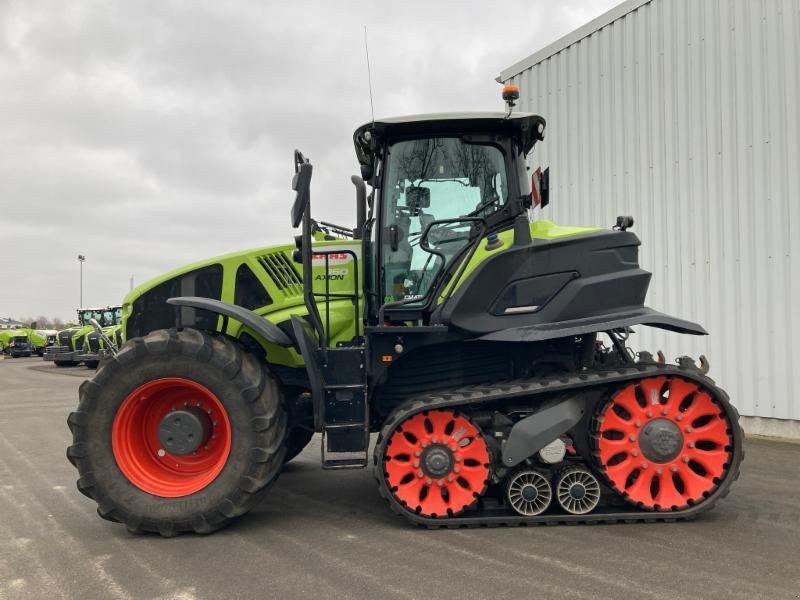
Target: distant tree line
(43, 322)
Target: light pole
(81, 258)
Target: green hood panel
(281, 278)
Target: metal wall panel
(684, 113)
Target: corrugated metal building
(686, 115)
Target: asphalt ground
(325, 534)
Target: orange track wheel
(664, 443)
(138, 437)
(437, 463)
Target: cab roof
(527, 127)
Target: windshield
(430, 180)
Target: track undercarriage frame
(491, 508)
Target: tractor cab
(441, 186)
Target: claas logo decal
(335, 258)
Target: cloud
(149, 134)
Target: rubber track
(507, 390)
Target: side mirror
(361, 206)
(545, 187)
(541, 187)
(301, 184)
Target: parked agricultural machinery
(489, 353)
(84, 344)
(15, 343)
(41, 339)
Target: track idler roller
(528, 492)
(577, 491)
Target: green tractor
(41, 339)
(95, 344)
(487, 352)
(15, 342)
(81, 344)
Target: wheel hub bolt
(420, 475)
(417, 453)
(649, 413)
(632, 438)
(635, 453)
(679, 418)
(674, 469)
(659, 471)
(416, 463)
(689, 430)
(664, 412)
(686, 459)
(691, 444)
(644, 465)
(638, 423)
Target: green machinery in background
(83, 344)
(15, 343)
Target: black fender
(264, 328)
(605, 322)
(531, 434)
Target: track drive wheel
(664, 443)
(180, 431)
(436, 463)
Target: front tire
(118, 452)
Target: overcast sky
(149, 134)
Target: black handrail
(328, 295)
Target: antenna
(369, 77)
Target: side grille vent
(283, 273)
